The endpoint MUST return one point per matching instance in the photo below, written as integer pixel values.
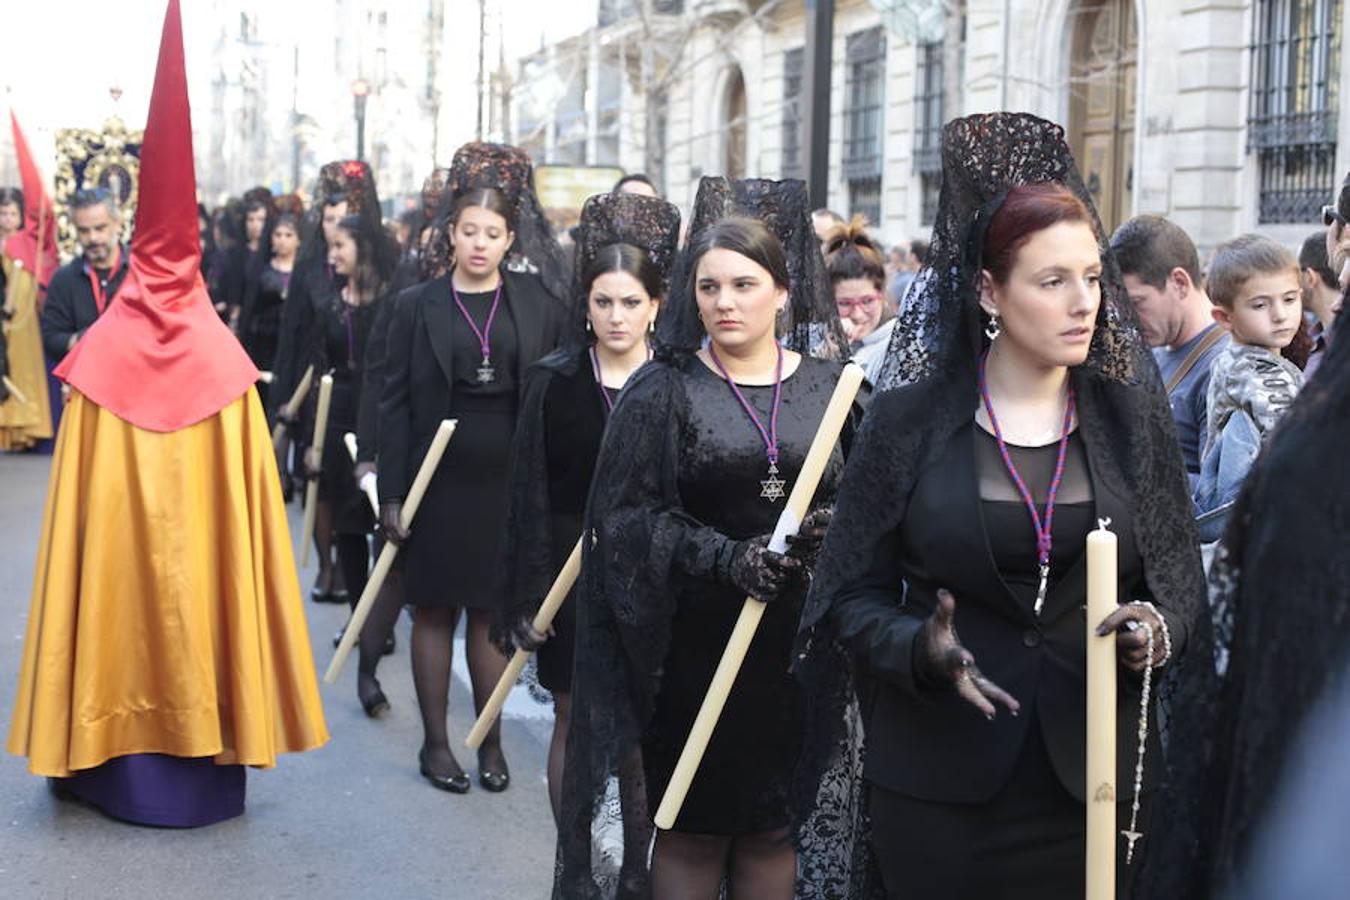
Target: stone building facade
(1222, 114)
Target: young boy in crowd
(1254, 286)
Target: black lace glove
(760, 572)
(805, 544)
(524, 637)
(391, 514)
(942, 663)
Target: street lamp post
(360, 91)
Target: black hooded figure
(458, 347)
(625, 249)
(678, 516)
(974, 792)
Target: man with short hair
(81, 290)
(1161, 272)
(635, 183)
(1321, 294)
(823, 220)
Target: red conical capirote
(35, 245)
(159, 357)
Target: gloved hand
(526, 638)
(760, 572)
(941, 662)
(805, 544)
(391, 525)
(362, 469)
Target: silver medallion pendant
(486, 373)
(771, 488)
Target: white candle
(1101, 716)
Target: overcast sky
(60, 57)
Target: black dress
(260, 319)
(744, 781)
(562, 419)
(343, 332)
(468, 497)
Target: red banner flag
(39, 221)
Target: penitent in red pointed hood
(159, 357)
(39, 224)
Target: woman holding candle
(364, 256)
(691, 477)
(458, 347)
(625, 246)
(1025, 408)
(345, 188)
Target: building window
(793, 66)
(864, 104)
(1296, 50)
(928, 117)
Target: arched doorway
(1101, 107)
(734, 123)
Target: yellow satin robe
(166, 613)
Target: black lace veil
(648, 223)
(1280, 589)
(810, 322)
(508, 170)
(528, 569)
(928, 389)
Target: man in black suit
(82, 288)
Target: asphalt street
(352, 819)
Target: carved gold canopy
(87, 158)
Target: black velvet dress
(453, 551)
(260, 320)
(562, 420)
(744, 781)
(343, 332)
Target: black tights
(353, 553)
(758, 866)
(432, 647)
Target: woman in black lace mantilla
(1016, 379)
(680, 511)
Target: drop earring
(994, 328)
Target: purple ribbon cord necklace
(771, 488)
(1043, 534)
(486, 373)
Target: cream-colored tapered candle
(369, 486)
(752, 610)
(1101, 715)
(291, 407)
(386, 559)
(312, 487)
(543, 619)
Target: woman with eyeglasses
(857, 269)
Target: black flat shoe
(455, 784)
(376, 704)
(494, 782)
(389, 646)
(337, 638)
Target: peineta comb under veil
(507, 169)
(810, 323)
(927, 390)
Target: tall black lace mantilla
(810, 322)
(508, 169)
(928, 389)
(635, 530)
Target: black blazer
(931, 744)
(70, 308)
(418, 369)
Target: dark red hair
(1029, 208)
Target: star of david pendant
(771, 488)
(1131, 836)
(486, 373)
